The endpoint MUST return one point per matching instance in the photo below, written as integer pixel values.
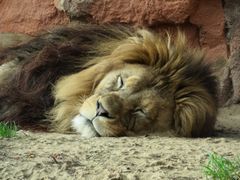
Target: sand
(35, 155)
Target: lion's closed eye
(120, 83)
(140, 112)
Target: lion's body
(108, 81)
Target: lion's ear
(195, 113)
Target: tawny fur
(57, 71)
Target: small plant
(8, 130)
(220, 168)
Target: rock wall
(203, 21)
(29, 16)
(230, 79)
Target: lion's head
(145, 84)
(125, 101)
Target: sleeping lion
(102, 80)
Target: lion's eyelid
(120, 83)
(139, 111)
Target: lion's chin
(83, 126)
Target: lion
(108, 80)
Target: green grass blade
(8, 130)
(220, 168)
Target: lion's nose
(101, 111)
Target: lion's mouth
(91, 123)
(83, 125)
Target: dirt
(35, 155)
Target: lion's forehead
(135, 78)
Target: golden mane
(169, 59)
(57, 70)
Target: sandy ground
(57, 156)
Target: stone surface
(76, 8)
(209, 17)
(142, 12)
(29, 16)
(230, 80)
(205, 17)
(138, 12)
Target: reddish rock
(203, 20)
(142, 12)
(206, 17)
(75, 8)
(29, 16)
(209, 17)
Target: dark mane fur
(42, 61)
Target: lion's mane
(38, 84)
